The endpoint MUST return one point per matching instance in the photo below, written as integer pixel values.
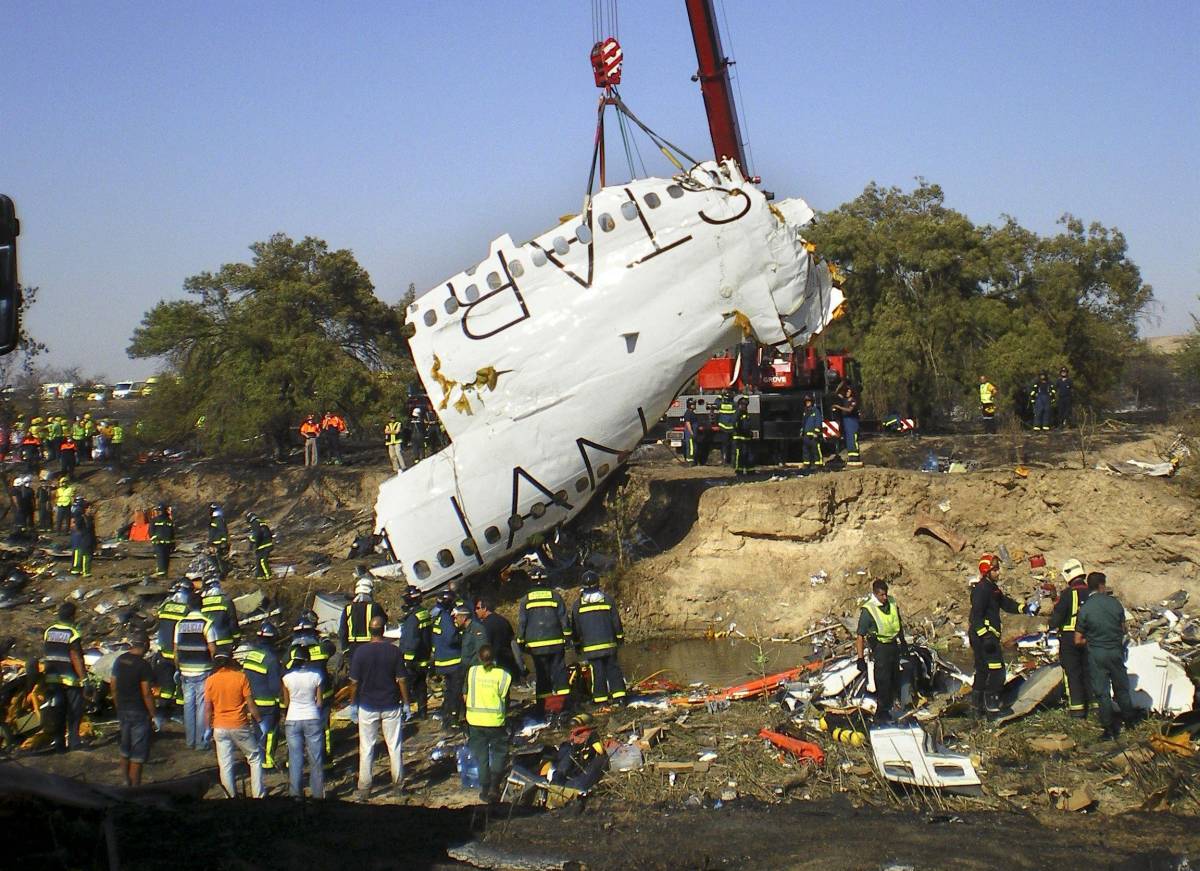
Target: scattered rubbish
(908, 755)
(927, 524)
(1037, 561)
(1055, 742)
(708, 756)
(818, 579)
(1157, 680)
(1042, 686)
(1179, 745)
(944, 505)
(248, 604)
(319, 573)
(1137, 467)
(282, 571)
(489, 856)
(805, 751)
(1073, 800)
(750, 689)
(626, 757)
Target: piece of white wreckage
(549, 361)
(908, 755)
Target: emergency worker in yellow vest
(354, 628)
(260, 663)
(1072, 657)
(174, 609)
(487, 688)
(62, 659)
(879, 626)
(987, 404)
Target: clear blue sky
(144, 142)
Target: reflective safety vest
(447, 640)
(118, 434)
(219, 610)
(725, 414)
(57, 641)
(1076, 601)
(416, 634)
(358, 621)
(887, 625)
(987, 393)
(391, 432)
(542, 621)
(262, 672)
(596, 624)
(162, 530)
(168, 615)
(66, 495)
(487, 695)
(218, 531)
(309, 430)
(318, 660)
(191, 645)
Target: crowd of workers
(408, 438)
(238, 692)
(1089, 620)
(1049, 403)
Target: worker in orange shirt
(310, 434)
(333, 427)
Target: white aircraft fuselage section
(549, 361)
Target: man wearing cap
(234, 719)
(879, 624)
(130, 685)
(1071, 656)
(1101, 628)
(987, 601)
(354, 626)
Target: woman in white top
(304, 726)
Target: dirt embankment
(744, 552)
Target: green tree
(1187, 360)
(259, 344)
(935, 300)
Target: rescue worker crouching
(597, 632)
(987, 601)
(263, 671)
(542, 632)
(1071, 656)
(416, 643)
(880, 628)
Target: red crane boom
(713, 75)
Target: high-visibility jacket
(356, 621)
(310, 429)
(416, 637)
(487, 695)
(333, 421)
(262, 539)
(391, 432)
(596, 624)
(58, 641)
(78, 432)
(319, 651)
(743, 426)
(117, 434)
(726, 411)
(162, 530)
(219, 609)
(987, 600)
(447, 640)
(1066, 609)
(68, 446)
(168, 615)
(55, 430)
(542, 625)
(65, 495)
(192, 634)
(218, 530)
(887, 623)
(261, 666)
(987, 393)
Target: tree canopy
(258, 345)
(935, 301)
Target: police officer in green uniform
(1072, 657)
(1101, 628)
(261, 666)
(880, 627)
(62, 659)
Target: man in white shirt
(304, 726)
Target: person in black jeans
(130, 685)
(500, 635)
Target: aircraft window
(421, 569)
(516, 522)
(603, 470)
(468, 546)
(629, 211)
(561, 495)
(674, 191)
(538, 509)
(653, 201)
(451, 305)
(430, 318)
(583, 234)
(581, 484)
(494, 280)
(538, 257)
(515, 269)
(445, 558)
(607, 224)
(471, 293)
(491, 535)
(560, 245)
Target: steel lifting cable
(744, 128)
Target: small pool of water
(716, 663)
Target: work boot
(1107, 735)
(991, 703)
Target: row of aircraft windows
(445, 557)
(561, 247)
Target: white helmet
(364, 587)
